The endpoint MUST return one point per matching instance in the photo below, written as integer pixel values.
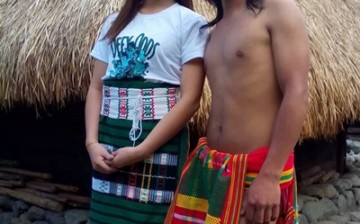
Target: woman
(147, 83)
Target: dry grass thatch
(335, 65)
(44, 49)
(45, 59)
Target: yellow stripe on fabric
(212, 219)
(284, 173)
(236, 186)
(291, 213)
(239, 187)
(149, 182)
(236, 189)
(286, 177)
(148, 176)
(228, 206)
(192, 203)
(280, 182)
(142, 181)
(211, 159)
(244, 160)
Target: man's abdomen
(236, 128)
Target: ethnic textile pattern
(140, 193)
(212, 185)
(119, 103)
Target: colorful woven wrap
(213, 183)
(143, 192)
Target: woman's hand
(99, 156)
(124, 157)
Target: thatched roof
(334, 29)
(45, 59)
(45, 49)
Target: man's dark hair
(254, 5)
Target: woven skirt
(213, 183)
(140, 193)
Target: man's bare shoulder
(282, 8)
(280, 4)
(283, 12)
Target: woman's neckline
(155, 14)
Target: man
(257, 63)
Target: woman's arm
(191, 86)
(92, 111)
(93, 103)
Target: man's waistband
(255, 159)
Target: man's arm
(289, 43)
(291, 59)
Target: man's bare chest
(234, 44)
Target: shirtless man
(257, 63)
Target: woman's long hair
(128, 13)
(254, 5)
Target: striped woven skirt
(213, 183)
(140, 193)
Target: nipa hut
(45, 45)
(45, 56)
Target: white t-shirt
(153, 46)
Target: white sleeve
(194, 39)
(102, 47)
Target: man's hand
(124, 157)
(261, 204)
(98, 156)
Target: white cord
(136, 128)
(136, 121)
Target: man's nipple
(240, 54)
